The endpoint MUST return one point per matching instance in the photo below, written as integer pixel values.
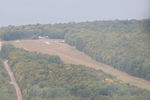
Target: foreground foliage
(43, 77)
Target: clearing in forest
(71, 55)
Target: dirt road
(13, 81)
(72, 56)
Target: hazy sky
(17, 12)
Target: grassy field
(70, 55)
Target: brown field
(71, 55)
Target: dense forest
(121, 44)
(7, 91)
(127, 50)
(45, 77)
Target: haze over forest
(18, 12)
(74, 50)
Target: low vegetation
(43, 77)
